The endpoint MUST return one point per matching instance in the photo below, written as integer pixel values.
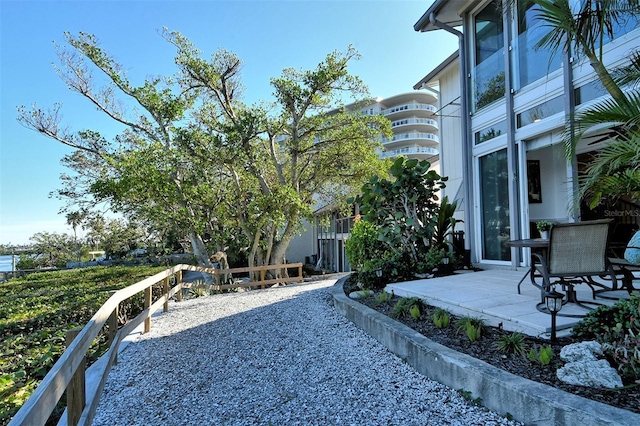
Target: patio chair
(577, 254)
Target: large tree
(193, 156)
(281, 158)
(155, 114)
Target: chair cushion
(632, 253)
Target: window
(541, 111)
(589, 91)
(489, 133)
(533, 63)
(488, 74)
(494, 184)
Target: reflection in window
(624, 25)
(488, 74)
(491, 132)
(541, 111)
(533, 63)
(589, 92)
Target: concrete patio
(492, 294)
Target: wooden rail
(68, 374)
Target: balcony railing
(412, 135)
(409, 107)
(409, 121)
(410, 150)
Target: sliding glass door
(494, 197)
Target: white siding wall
(451, 132)
(302, 245)
(553, 172)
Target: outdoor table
(533, 244)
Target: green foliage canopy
(193, 157)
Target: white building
(414, 123)
(413, 118)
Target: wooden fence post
(147, 304)
(76, 390)
(300, 273)
(179, 282)
(113, 326)
(165, 290)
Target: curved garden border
(527, 401)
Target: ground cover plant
(526, 356)
(617, 328)
(35, 312)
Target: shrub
(415, 312)
(473, 332)
(543, 356)
(626, 353)
(432, 258)
(404, 305)
(511, 343)
(381, 298)
(461, 323)
(403, 208)
(471, 326)
(362, 244)
(617, 328)
(441, 318)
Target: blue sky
(267, 35)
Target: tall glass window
(533, 63)
(488, 73)
(494, 184)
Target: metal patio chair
(577, 254)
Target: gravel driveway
(279, 356)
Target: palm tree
(583, 28)
(615, 169)
(75, 219)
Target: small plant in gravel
(511, 343)
(542, 355)
(441, 318)
(468, 396)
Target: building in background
(415, 127)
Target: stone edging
(527, 401)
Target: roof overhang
(444, 11)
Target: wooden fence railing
(68, 373)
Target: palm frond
(614, 171)
(608, 113)
(629, 74)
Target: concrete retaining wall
(527, 401)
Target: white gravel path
(280, 356)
